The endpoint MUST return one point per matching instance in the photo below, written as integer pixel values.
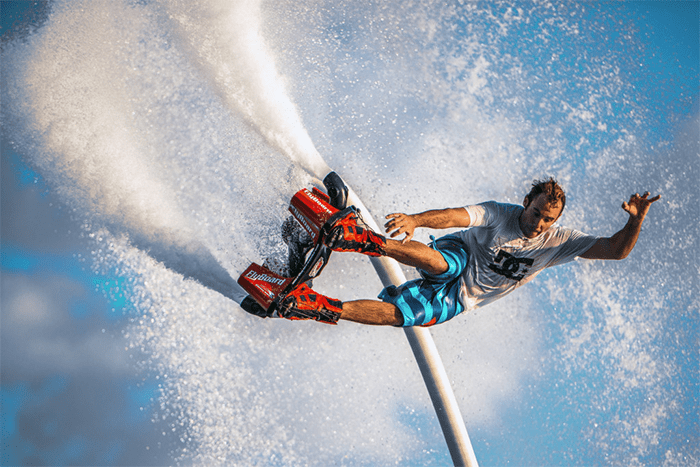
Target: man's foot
(304, 303)
(347, 232)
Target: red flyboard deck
(262, 284)
(312, 210)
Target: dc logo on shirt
(510, 266)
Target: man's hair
(551, 189)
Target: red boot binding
(348, 232)
(304, 303)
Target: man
(504, 247)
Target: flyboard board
(303, 232)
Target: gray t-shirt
(502, 259)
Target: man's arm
(436, 219)
(620, 245)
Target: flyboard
(303, 232)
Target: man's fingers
(645, 197)
(393, 219)
(639, 205)
(393, 226)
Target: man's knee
(398, 316)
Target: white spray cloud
(89, 147)
(71, 108)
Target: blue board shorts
(433, 299)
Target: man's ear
(561, 211)
(526, 201)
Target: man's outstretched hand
(400, 223)
(638, 206)
(620, 244)
(447, 218)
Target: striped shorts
(433, 299)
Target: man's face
(538, 216)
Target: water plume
(71, 109)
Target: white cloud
(40, 337)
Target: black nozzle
(337, 190)
(252, 307)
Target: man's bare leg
(372, 312)
(416, 254)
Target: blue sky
(70, 396)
